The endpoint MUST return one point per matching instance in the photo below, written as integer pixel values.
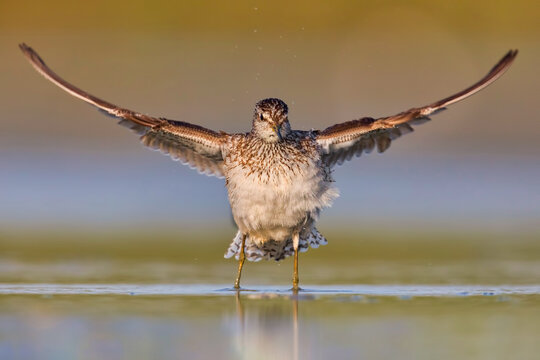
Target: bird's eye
(261, 117)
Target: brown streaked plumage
(278, 179)
(340, 142)
(191, 144)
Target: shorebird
(278, 179)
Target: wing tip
(30, 53)
(512, 53)
(24, 48)
(503, 65)
(508, 58)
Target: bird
(278, 179)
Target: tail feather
(276, 250)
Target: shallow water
(203, 322)
(414, 299)
(313, 291)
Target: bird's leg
(240, 262)
(296, 240)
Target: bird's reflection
(266, 326)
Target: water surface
(195, 322)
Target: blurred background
(82, 202)
(70, 175)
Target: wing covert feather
(341, 142)
(194, 145)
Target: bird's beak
(277, 130)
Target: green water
(427, 296)
(205, 327)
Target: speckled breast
(273, 188)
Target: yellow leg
(296, 239)
(295, 274)
(240, 263)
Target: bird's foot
(296, 289)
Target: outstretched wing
(343, 141)
(191, 144)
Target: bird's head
(270, 121)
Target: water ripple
(402, 291)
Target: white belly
(276, 201)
